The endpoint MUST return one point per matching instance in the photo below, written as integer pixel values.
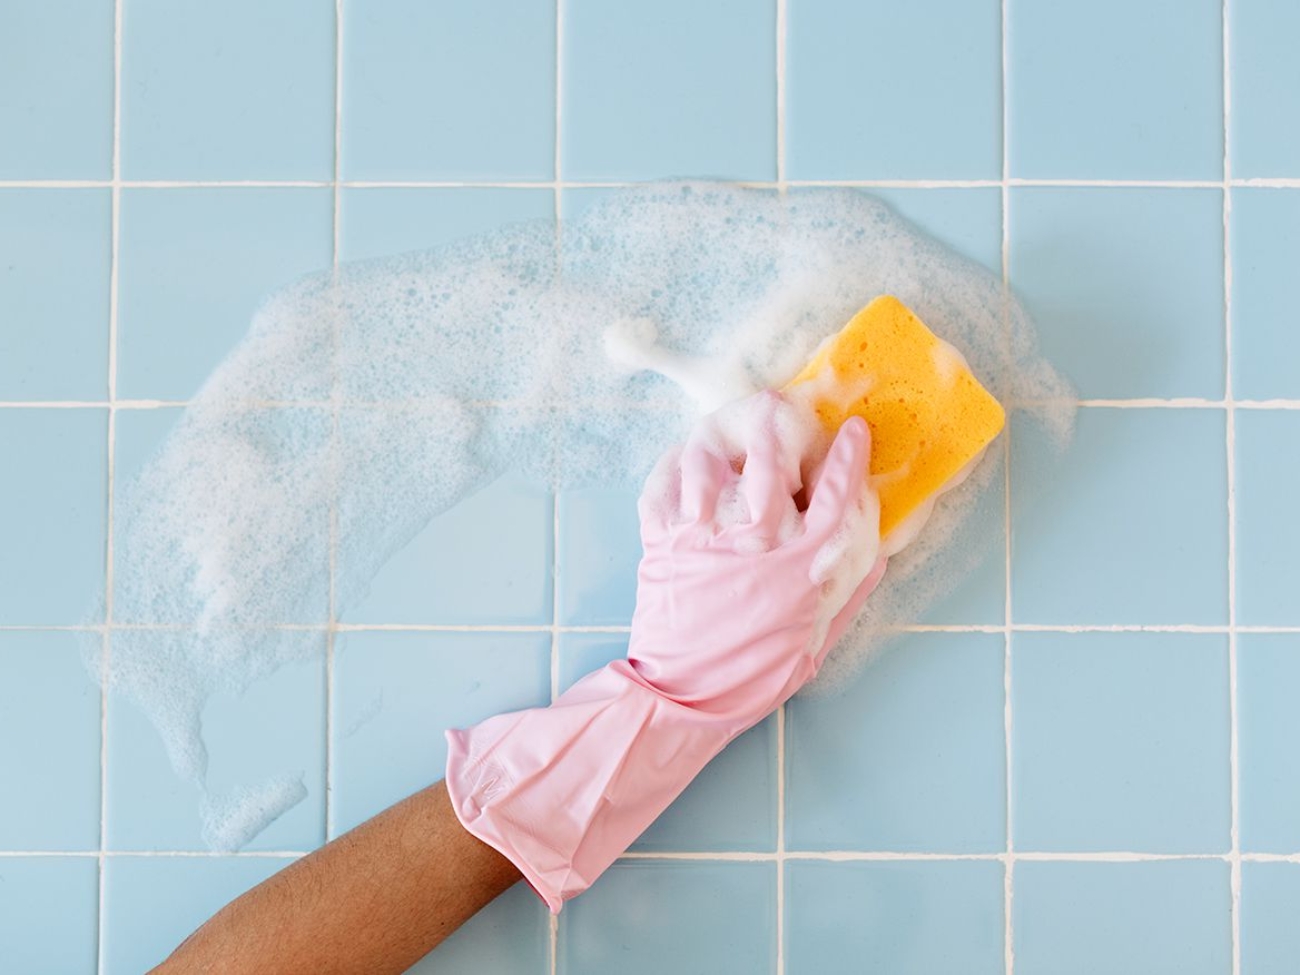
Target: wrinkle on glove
(740, 595)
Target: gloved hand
(740, 595)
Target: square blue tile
(730, 806)
(976, 561)
(1129, 526)
(1265, 237)
(377, 221)
(52, 515)
(967, 220)
(909, 756)
(195, 263)
(1125, 285)
(1116, 89)
(49, 914)
(449, 91)
(56, 70)
(1270, 901)
(1123, 918)
(54, 255)
(1265, 87)
(155, 903)
(241, 90)
(395, 694)
(874, 91)
(275, 728)
(1120, 742)
(49, 744)
(646, 917)
(487, 561)
(511, 936)
(1268, 531)
(141, 434)
(901, 918)
(676, 88)
(1268, 767)
(599, 551)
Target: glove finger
(839, 485)
(771, 474)
(661, 498)
(704, 474)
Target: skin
(375, 900)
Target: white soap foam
(231, 820)
(389, 390)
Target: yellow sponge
(929, 416)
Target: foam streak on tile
(449, 367)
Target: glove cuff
(563, 791)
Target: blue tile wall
(449, 91)
(52, 517)
(239, 91)
(873, 91)
(969, 220)
(396, 693)
(1115, 89)
(850, 787)
(376, 222)
(1265, 87)
(49, 743)
(274, 729)
(1270, 898)
(155, 902)
(56, 72)
(195, 263)
(599, 549)
(1265, 251)
(258, 142)
(1268, 681)
(511, 936)
(1268, 532)
(54, 249)
(1120, 742)
(652, 917)
(1126, 286)
(488, 560)
(1150, 484)
(906, 918)
(672, 88)
(1123, 918)
(49, 913)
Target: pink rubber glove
(739, 597)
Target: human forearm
(376, 899)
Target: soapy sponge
(928, 414)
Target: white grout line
(135, 854)
(553, 921)
(1008, 876)
(917, 184)
(547, 628)
(106, 642)
(1230, 464)
(782, 20)
(780, 854)
(818, 856)
(331, 634)
(782, 186)
(1135, 403)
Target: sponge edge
(929, 416)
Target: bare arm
(376, 900)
